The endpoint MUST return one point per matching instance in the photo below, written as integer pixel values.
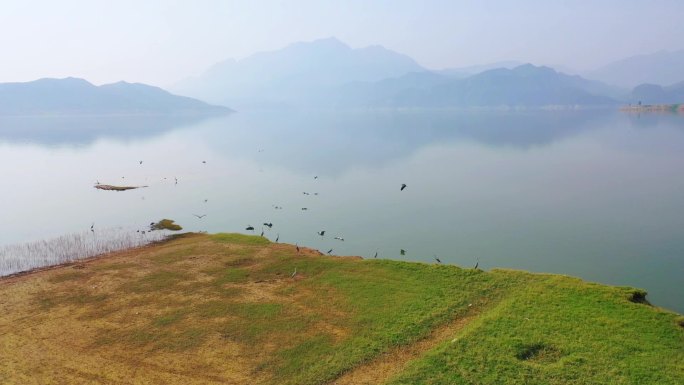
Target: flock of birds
(269, 225)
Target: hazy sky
(162, 41)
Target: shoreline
(640, 294)
(659, 108)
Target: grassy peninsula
(236, 309)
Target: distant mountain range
(328, 73)
(522, 86)
(290, 75)
(663, 68)
(72, 96)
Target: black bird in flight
(437, 259)
(268, 224)
(376, 255)
(304, 208)
(402, 252)
(305, 193)
(206, 200)
(92, 227)
(200, 216)
(204, 161)
(316, 177)
(403, 186)
(262, 232)
(141, 162)
(330, 251)
(250, 228)
(477, 264)
(321, 233)
(297, 246)
(277, 237)
(339, 238)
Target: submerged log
(116, 188)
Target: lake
(593, 194)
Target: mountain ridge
(77, 96)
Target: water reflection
(85, 130)
(589, 193)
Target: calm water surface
(597, 195)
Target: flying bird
(297, 246)
(477, 264)
(176, 179)
(402, 252)
(403, 186)
(437, 259)
(376, 255)
(339, 238)
(200, 216)
(277, 237)
(305, 193)
(92, 227)
(330, 251)
(262, 232)
(304, 208)
(204, 161)
(141, 162)
(316, 177)
(268, 224)
(321, 233)
(206, 200)
(249, 228)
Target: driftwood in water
(116, 188)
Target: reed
(16, 258)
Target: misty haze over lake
(594, 194)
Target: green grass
(559, 331)
(240, 239)
(235, 292)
